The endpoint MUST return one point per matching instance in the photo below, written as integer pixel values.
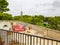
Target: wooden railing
(15, 38)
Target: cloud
(55, 9)
(56, 4)
(32, 7)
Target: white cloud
(44, 7)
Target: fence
(14, 38)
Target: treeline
(49, 22)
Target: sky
(34, 7)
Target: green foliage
(53, 22)
(38, 20)
(3, 6)
(5, 16)
(16, 17)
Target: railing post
(52, 42)
(40, 41)
(25, 39)
(56, 43)
(36, 40)
(7, 37)
(30, 40)
(47, 42)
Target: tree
(5, 16)
(37, 20)
(26, 18)
(3, 6)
